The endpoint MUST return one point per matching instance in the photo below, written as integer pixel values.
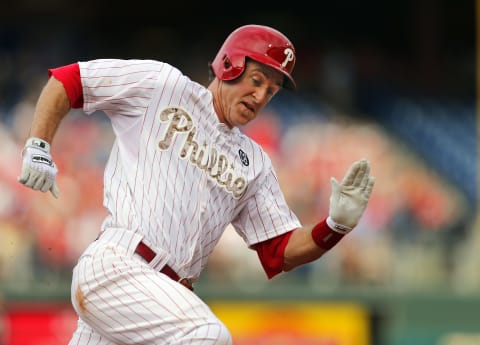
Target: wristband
(338, 227)
(325, 237)
(38, 143)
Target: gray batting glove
(38, 169)
(349, 199)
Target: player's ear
(211, 74)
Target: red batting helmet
(260, 43)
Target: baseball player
(179, 172)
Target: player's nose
(261, 96)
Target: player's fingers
(369, 187)
(54, 190)
(363, 175)
(335, 186)
(46, 185)
(23, 178)
(357, 174)
(32, 179)
(38, 185)
(350, 174)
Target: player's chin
(247, 116)
(242, 116)
(244, 121)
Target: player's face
(241, 100)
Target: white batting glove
(38, 169)
(350, 198)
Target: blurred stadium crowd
(418, 232)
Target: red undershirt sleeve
(69, 76)
(270, 253)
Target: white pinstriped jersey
(176, 175)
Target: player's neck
(215, 88)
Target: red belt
(148, 254)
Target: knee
(214, 333)
(223, 335)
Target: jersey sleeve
(118, 87)
(271, 253)
(69, 76)
(265, 214)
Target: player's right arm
(55, 101)
(52, 106)
(306, 244)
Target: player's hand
(38, 169)
(350, 198)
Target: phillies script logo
(289, 56)
(215, 164)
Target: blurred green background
(392, 81)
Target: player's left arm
(348, 201)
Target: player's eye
(271, 92)
(256, 81)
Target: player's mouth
(249, 107)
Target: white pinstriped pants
(121, 300)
